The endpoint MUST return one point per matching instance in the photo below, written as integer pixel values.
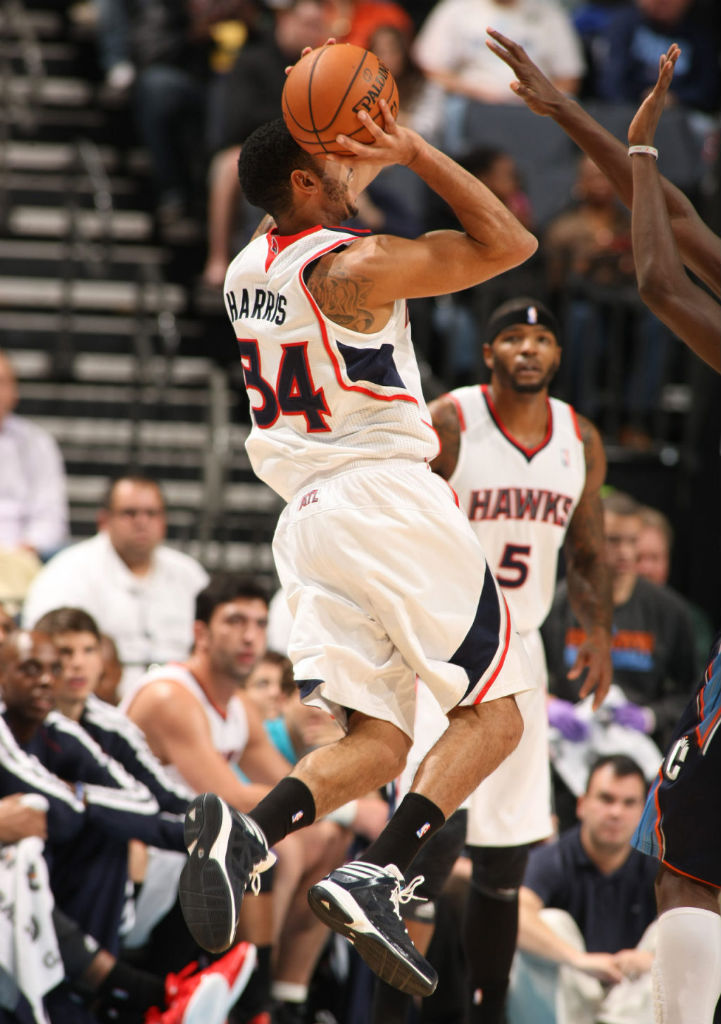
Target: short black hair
(134, 478)
(621, 765)
(267, 159)
(225, 587)
(67, 620)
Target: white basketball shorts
(385, 580)
(512, 806)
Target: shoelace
(399, 895)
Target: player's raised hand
(392, 144)
(532, 86)
(307, 49)
(594, 655)
(642, 129)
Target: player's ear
(200, 633)
(304, 181)
(488, 355)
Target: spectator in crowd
(653, 562)
(250, 96)
(199, 723)
(653, 652)
(587, 906)
(62, 950)
(590, 268)
(33, 499)
(88, 876)
(450, 47)
(640, 32)
(78, 642)
(137, 589)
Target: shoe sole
(207, 898)
(337, 909)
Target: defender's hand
(532, 86)
(642, 129)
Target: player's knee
(498, 870)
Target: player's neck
(525, 416)
(606, 858)
(217, 687)
(71, 708)
(622, 587)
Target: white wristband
(646, 150)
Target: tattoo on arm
(588, 579)
(445, 421)
(343, 299)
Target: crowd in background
(199, 76)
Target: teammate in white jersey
(383, 575)
(527, 471)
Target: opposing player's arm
(261, 761)
(663, 283)
(698, 245)
(588, 580)
(178, 733)
(444, 416)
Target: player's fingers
(388, 117)
(513, 48)
(499, 52)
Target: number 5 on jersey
(294, 393)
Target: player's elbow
(520, 245)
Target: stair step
(33, 327)
(124, 296)
(43, 23)
(51, 90)
(96, 367)
(54, 222)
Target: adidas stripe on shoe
(362, 902)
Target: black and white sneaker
(227, 851)
(362, 901)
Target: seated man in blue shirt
(585, 910)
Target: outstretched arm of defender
(662, 281)
(698, 245)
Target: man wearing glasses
(140, 591)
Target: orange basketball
(324, 91)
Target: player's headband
(521, 311)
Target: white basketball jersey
(322, 397)
(519, 502)
(228, 730)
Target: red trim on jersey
(277, 243)
(528, 452)
(657, 827)
(404, 397)
(223, 714)
(499, 666)
(459, 411)
(574, 417)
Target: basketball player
(681, 823)
(527, 472)
(381, 570)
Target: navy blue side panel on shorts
(481, 643)
(681, 822)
